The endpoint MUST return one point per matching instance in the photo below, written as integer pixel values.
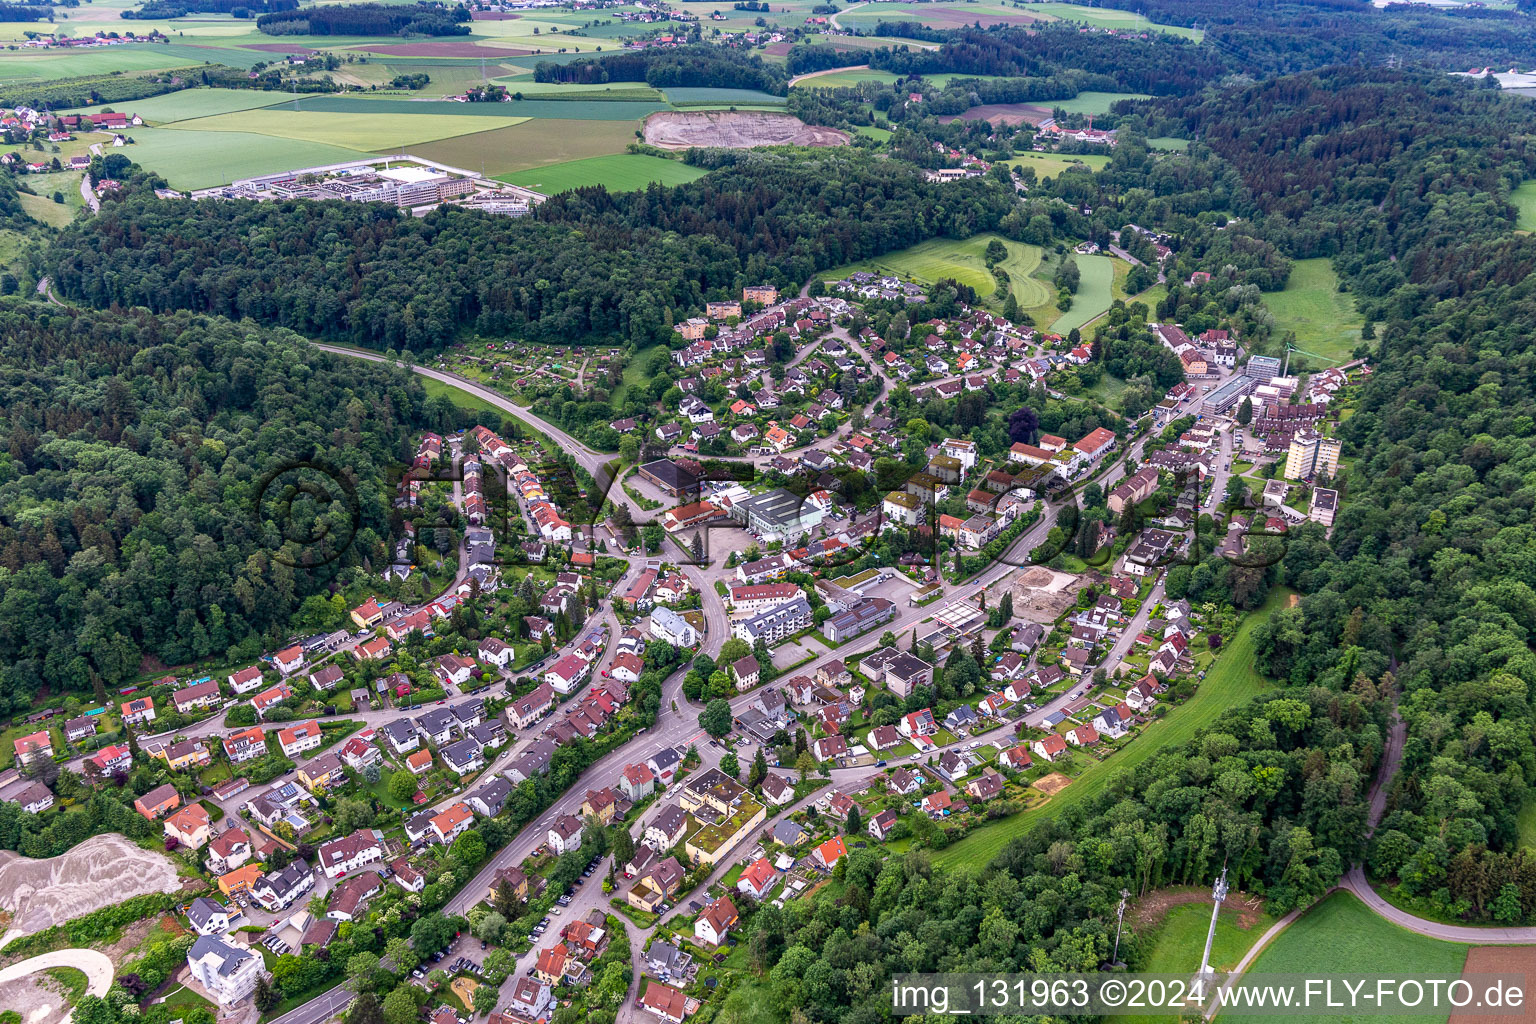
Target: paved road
(87, 193)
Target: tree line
(586, 263)
(366, 20)
(696, 66)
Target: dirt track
(739, 129)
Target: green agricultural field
(940, 15)
(1094, 102)
(536, 143)
(943, 80)
(365, 133)
(192, 103)
(1052, 164)
(1094, 293)
(1231, 680)
(621, 172)
(688, 97)
(1106, 17)
(585, 110)
(1169, 144)
(1325, 320)
(869, 131)
(962, 260)
(635, 91)
(1342, 936)
(1524, 200)
(844, 79)
(42, 66)
(193, 159)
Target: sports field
(1094, 293)
(1524, 200)
(1093, 102)
(620, 172)
(1231, 679)
(1325, 320)
(1342, 936)
(962, 260)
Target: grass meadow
(619, 172)
(962, 260)
(1325, 320)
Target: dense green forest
(1266, 36)
(181, 8)
(696, 66)
(366, 20)
(133, 447)
(588, 264)
(1164, 65)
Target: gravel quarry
(735, 129)
(102, 870)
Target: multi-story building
(228, 973)
(775, 624)
(1312, 455)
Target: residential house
(637, 781)
(451, 823)
(199, 695)
(348, 897)
(278, 889)
(985, 786)
(830, 852)
(1049, 747)
(758, 879)
(565, 834)
(715, 922)
(269, 698)
(190, 826)
(137, 711)
(666, 1002)
(296, 739)
(350, 853)
(1016, 758)
(160, 800)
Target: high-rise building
(1312, 455)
